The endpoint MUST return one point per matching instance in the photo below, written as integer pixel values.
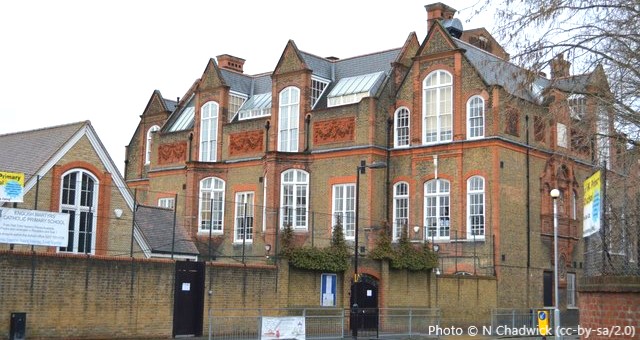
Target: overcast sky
(65, 61)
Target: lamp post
(360, 169)
(555, 193)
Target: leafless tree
(588, 33)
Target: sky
(66, 61)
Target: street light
(360, 169)
(555, 193)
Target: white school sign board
(34, 227)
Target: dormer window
(235, 102)
(577, 106)
(352, 89)
(318, 85)
(257, 106)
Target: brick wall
(610, 307)
(70, 296)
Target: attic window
(318, 85)
(235, 102)
(577, 106)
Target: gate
(364, 305)
(188, 298)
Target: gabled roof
(156, 226)
(35, 152)
(28, 151)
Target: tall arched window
(475, 117)
(475, 208)
(209, 132)
(288, 119)
(294, 198)
(401, 123)
(436, 208)
(147, 157)
(400, 209)
(211, 214)
(79, 199)
(437, 107)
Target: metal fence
(323, 323)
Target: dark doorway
(547, 289)
(188, 298)
(364, 304)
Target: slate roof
(156, 225)
(28, 151)
(497, 71)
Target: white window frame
(571, 290)
(211, 187)
(402, 127)
(76, 209)
(242, 198)
(288, 119)
(166, 202)
(344, 208)
(147, 154)
(475, 117)
(437, 208)
(209, 114)
(437, 108)
(476, 200)
(400, 208)
(294, 198)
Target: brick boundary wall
(99, 297)
(610, 307)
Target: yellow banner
(592, 205)
(11, 186)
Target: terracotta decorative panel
(334, 131)
(172, 153)
(246, 143)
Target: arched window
(401, 123)
(436, 208)
(288, 119)
(475, 208)
(475, 117)
(209, 132)
(400, 209)
(437, 107)
(147, 157)
(211, 216)
(79, 199)
(294, 198)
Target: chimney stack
(559, 67)
(438, 11)
(230, 62)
